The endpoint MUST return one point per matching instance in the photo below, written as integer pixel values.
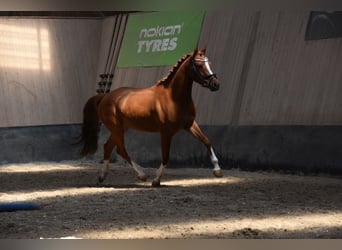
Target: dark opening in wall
(323, 25)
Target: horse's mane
(165, 80)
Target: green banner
(159, 38)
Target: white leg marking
(160, 170)
(159, 173)
(217, 170)
(105, 169)
(138, 169)
(214, 159)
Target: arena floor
(191, 203)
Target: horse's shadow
(124, 186)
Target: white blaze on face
(206, 63)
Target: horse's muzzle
(214, 84)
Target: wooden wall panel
(47, 69)
(270, 75)
(226, 36)
(292, 81)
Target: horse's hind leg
(107, 149)
(121, 150)
(116, 139)
(197, 132)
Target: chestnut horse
(165, 107)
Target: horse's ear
(195, 51)
(204, 50)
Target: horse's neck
(181, 84)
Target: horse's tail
(91, 125)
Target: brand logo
(160, 38)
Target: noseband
(205, 80)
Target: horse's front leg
(165, 144)
(197, 132)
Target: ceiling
(61, 14)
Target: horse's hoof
(218, 173)
(155, 183)
(142, 177)
(101, 179)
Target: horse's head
(202, 72)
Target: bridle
(205, 80)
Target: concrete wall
(307, 149)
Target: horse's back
(130, 108)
